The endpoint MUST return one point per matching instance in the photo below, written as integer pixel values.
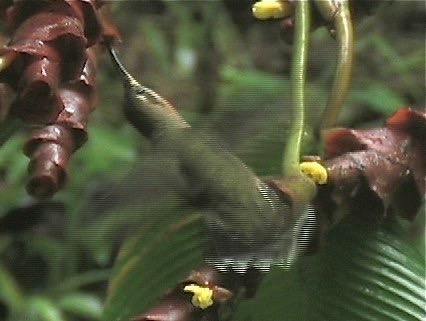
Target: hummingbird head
(143, 107)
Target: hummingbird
(248, 223)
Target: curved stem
(298, 76)
(340, 14)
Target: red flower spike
(71, 122)
(76, 111)
(110, 32)
(38, 102)
(78, 99)
(49, 149)
(93, 27)
(48, 170)
(53, 70)
(408, 119)
(86, 81)
(386, 161)
(413, 122)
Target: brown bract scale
(176, 305)
(51, 65)
(380, 170)
(50, 149)
(211, 278)
(413, 122)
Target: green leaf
(367, 272)
(379, 98)
(107, 151)
(82, 304)
(82, 279)
(254, 116)
(132, 211)
(156, 40)
(264, 151)
(51, 251)
(11, 149)
(280, 294)
(251, 90)
(40, 308)
(152, 262)
(10, 293)
(13, 165)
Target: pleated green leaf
(280, 297)
(152, 262)
(367, 272)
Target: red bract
(176, 305)
(52, 69)
(382, 169)
(413, 122)
(173, 307)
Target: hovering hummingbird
(248, 222)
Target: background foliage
(227, 73)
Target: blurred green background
(227, 73)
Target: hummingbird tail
(281, 248)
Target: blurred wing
(282, 241)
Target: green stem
(298, 76)
(342, 78)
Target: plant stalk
(339, 15)
(292, 151)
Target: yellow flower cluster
(315, 171)
(272, 9)
(203, 296)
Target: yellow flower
(267, 9)
(203, 296)
(315, 171)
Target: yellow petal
(203, 296)
(315, 171)
(267, 9)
